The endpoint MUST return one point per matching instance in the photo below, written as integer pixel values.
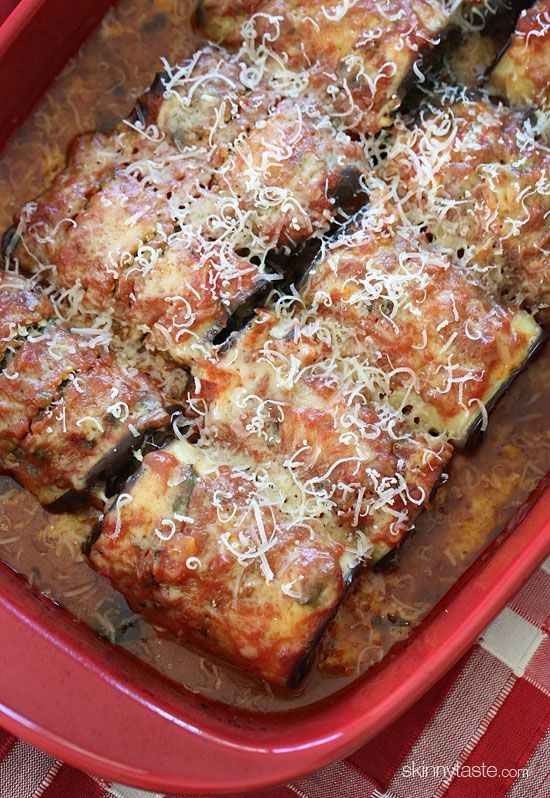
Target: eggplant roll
(68, 415)
(475, 176)
(356, 56)
(522, 74)
(357, 459)
(166, 223)
(234, 555)
(425, 338)
(199, 550)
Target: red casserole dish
(98, 708)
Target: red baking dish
(94, 706)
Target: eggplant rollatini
(68, 416)
(475, 177)
(357, 57)
(425, 338)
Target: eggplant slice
(191, 548)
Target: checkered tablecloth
(482, 732)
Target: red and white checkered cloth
(482, 732)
